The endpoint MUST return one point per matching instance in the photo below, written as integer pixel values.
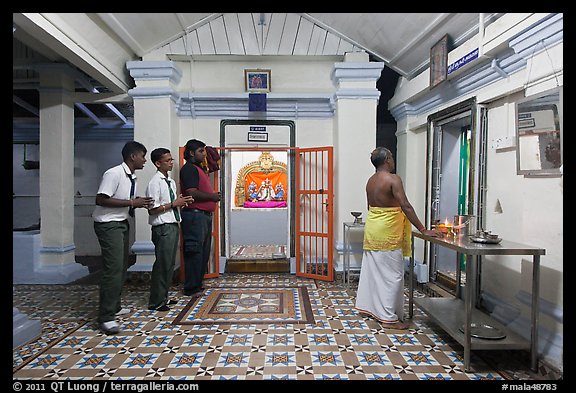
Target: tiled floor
(341, 344)
(255, 252)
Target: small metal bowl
(483, 239)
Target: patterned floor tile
(340, 344)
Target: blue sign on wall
(257, 102)
(258, 128)
(462, 61)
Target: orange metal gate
(314, 213)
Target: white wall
(532, 212)
(411, 167)
(314, 133)
(206, 130)
(226, 73)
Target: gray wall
(92, 159)
(259, 226)
(25, 187)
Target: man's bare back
(385, 189)
(379, 190)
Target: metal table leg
(346, 267)
(468, 316)
(535, 312)
(458, 276)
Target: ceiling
(97, 46)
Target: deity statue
(256, 82)
(266, 191)
(266, 160)
(279, 192)
(252, 194)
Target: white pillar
(155, 125)
(56, 260)
(355, 134)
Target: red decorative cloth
(212, 161)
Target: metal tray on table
(480, 330)
(477, 239)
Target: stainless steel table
(448, 312)
(347, 249)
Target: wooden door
(314, 213)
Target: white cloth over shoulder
(381, 286)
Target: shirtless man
(387, 238)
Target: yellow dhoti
(387, 239)
(387, 228)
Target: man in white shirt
(164, 217)
(115, 203)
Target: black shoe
(172, 301)
(161, 308)
(196, 293)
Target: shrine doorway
(456, 184)
(257, 184)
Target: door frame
(434, 157)
(258, 147)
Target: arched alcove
(266, 168)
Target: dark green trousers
(114, 243)
(165, 238)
